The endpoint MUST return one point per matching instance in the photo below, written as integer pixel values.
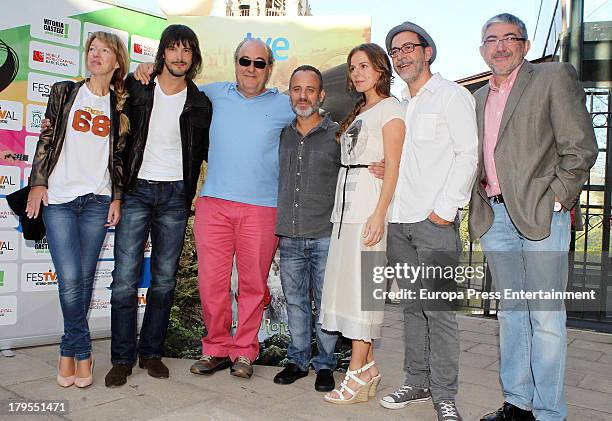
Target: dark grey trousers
(431, 336)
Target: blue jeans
(532, 337)
(302, 270)
(158, 208)
(75, 233)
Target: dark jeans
(157, 208)
(431, 336)
(75, 233)
(302, 270)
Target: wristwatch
(558, 207)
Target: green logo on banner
(56, 28)
(1, 278)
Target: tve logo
(38, 277)
(279, 46)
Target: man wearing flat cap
(437, 171)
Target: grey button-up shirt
(307, 180)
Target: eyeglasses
(246, 62)
(406, 48)
(511, 40)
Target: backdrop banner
(39, 48)
(323, 42)
(41, 44)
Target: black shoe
(509, 412)
(290, 374)
(117, 376)
(155, 367)
(325, 380)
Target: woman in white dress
(373, 130)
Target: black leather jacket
(51, 139)
(194, 123)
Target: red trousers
(222, 228)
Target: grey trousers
(431, 336)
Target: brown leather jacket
(51, 140)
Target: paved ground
(31, 373)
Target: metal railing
(590, 254)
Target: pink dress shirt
(494, 110)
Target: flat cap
(412, 27)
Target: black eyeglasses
(406, 48)
(246, 62)
(511, 40)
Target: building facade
(266, 7)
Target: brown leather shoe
(154, 367)
(117, 376)
(208, 364)
(242, 367)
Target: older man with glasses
(536, 146)
(236, 210)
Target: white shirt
(163, 154)
(82, 166)
(440, 153)
(362, 143)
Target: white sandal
(362, 394)
(374, 381)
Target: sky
(454, 25)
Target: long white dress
(346, 303)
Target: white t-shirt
(82, 167)
(163, 154)
(362, 143)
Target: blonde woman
(372, 131)
(76, 175)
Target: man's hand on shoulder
(143, 73)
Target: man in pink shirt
(494, 108)
(536, 147)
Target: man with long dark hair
(169, 119)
